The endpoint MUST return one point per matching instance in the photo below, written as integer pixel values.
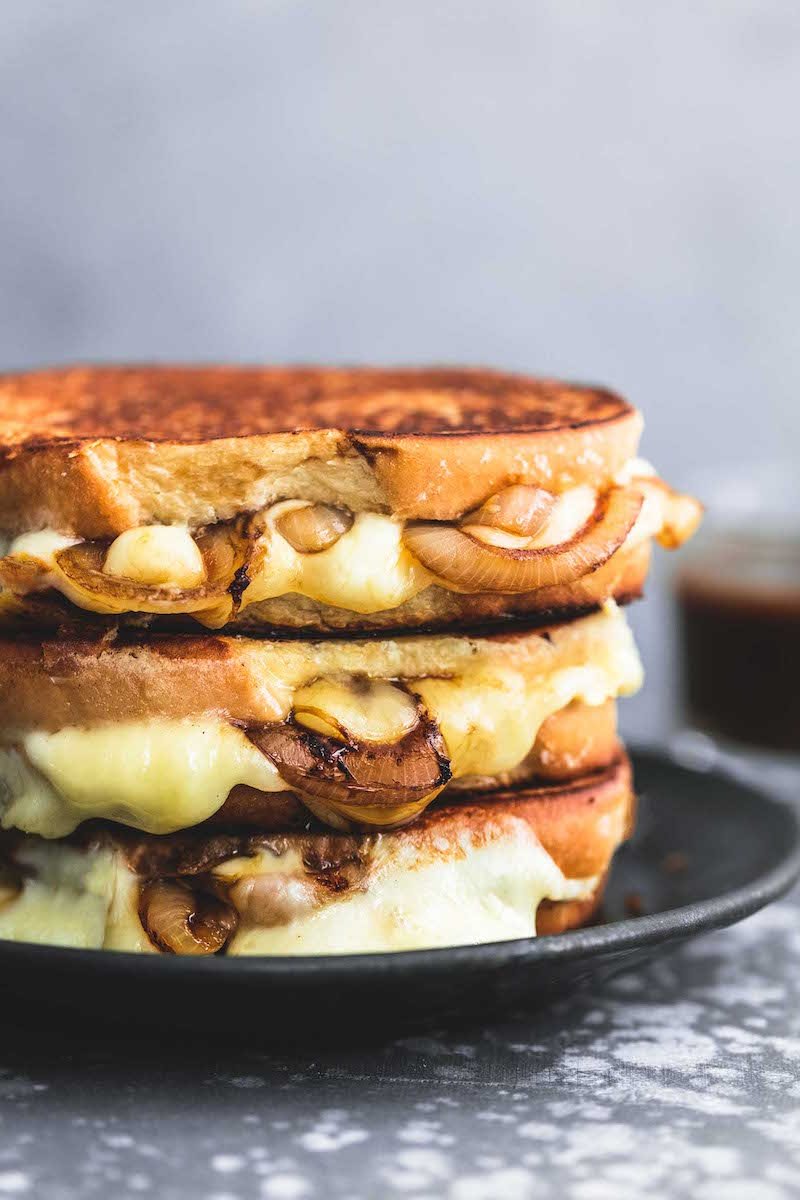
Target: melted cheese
(159, 776)
(44, 545)
(367, 570)
(367, 710)
(489, 720)
(157, 554)
(123, 929)
(66, 899)
(462, 892)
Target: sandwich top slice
(328, 499)
(166, 733)
(485, 869)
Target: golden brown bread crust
(200, 403)
(96, 450)
(50, 684)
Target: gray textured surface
(679, 1080)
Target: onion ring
(474, 566)
(520, 509)
(371, 784)
(181, 921)
(224, 549)
(313, 527)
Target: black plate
(735, 850)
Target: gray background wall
(607, 189)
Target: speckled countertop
(680, 1080)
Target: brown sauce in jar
(739, 606)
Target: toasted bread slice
(97, 450)
(352, 500)
(483, 870)
(160, 733)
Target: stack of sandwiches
(315, 661)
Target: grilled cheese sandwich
(161, 773)
(367, 570)
(462, 875)
(536, 505)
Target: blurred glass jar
(738, 595)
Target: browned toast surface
(55, 682)
(201, 403)
(93, 451)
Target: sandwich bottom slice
(481, 868)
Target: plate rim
(674, 924)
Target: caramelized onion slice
(366, 817)
(474, 566)
(370, 784)
(520, 509)
(681, 514)
(182, 921)
(269, 900)
(21, 573)
(313, 527)
(224, 550)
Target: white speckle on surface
(513, 1183)
(227, 1163)
(540, 1131)
(320, 1141)
(14, 1183)
(117, 1141)
(743, 1189)
(673, 1050)
(420, 1132)
(285, 1187)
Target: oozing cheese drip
(64, 900)
(465, 893)
(43, 545)
(464, 890)
(367, 570)
(159, 776)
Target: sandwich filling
(360, 751)
(462, 877)
(520, 540)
